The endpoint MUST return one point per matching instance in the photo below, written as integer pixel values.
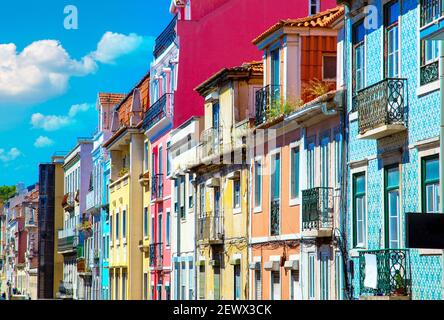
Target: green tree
(6, 192)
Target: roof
(323, 19)
(246, 69)
(110, 98)
(129, 94)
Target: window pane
(432, 169)
(294, 173)
(329, 67)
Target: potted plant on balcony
(123, 172)
(399, 285)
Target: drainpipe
(441, 140)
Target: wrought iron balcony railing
(66, 288)
(275, 222)
(210, 227)
(430, 10)
(393, 272)
(317, 208)
(429, 73)
(166, 38)
(383, 103)
(156, 255)
(211, 142)
(158, 110)
(157, 186)
(267, 103)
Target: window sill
(353, 116)
(430, 252)
(257, 210)
(427, 88)
(237, 210)
(354, 253)
(294, 202)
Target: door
(237, 282)
(216, 126)
(325, 276)
(275, 285)
(216, 282)
(325, 164)
(275, 75)
(392, 207)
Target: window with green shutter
(294, 179)
(359, 211)
(430, 184)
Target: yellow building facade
(222, 183)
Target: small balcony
(431, 22)
(157, 187)
(429, 73)
(166, 38)
(382, 108)
(267, 103)
(275, 221)
(317, 212)
(158, 112)
(211, 142)
(65, 290)
(66, 241)
(156, 255)
(385, 274)
(210, 228)
(68, 202)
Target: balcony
(211, 142)
(166, 38)
(267, 103)
(156, 255)
(381, 108)
(275, 223)
(429, 73)
(158, 112)
(385, 274)
(66, 241)
(65, 290)
(431, 22)
(157, 187)
(68, 202)
(317, 212)
(210, 228)
(92, 205)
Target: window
(391, 50)
(160, 158)
(338, 276)
(325, 275)
(358, 56)
(294, 285)
(257, 284)
(145, 156)
(116, 297)
(182, 197)
(311, 276)
(329, 67)
(168, 158)
(275, 194)
(338, 158)
(145, 286)
(159, 228)
(429, 51)
(325, 162)
(190, 280)
(275, 74)
(202, 282)
(183, 281)
(275, 285)
(190, 192)
(392, 207)
(216, 275)
(124, 224)
(430, 184)
(176, 195)
(111, 227)
(152, 230)
(257, 183)
(167, 227)
(314, 7)
(237, 282)
(117, 226)
(124, 286)
(236, 193)
(167, 292)
(311, 165)
(294, 179)
(202, 199)
(145, 222)
(359, 209)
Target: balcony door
(391, 33)
(275, 74)
(216, 125)
(325, 163)
(275, 194)
(392, 207)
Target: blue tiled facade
(423, 109)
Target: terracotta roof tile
(111, 99)
(322, 19)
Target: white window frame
(360, 170)
(310, 4)
(238, 209)
(258, 159)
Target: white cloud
(75, 109)
(114, 45)
(50, 122)
(56, 122)
(11, 155)
(42, 142)
(42, 70)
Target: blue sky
(50, 76)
